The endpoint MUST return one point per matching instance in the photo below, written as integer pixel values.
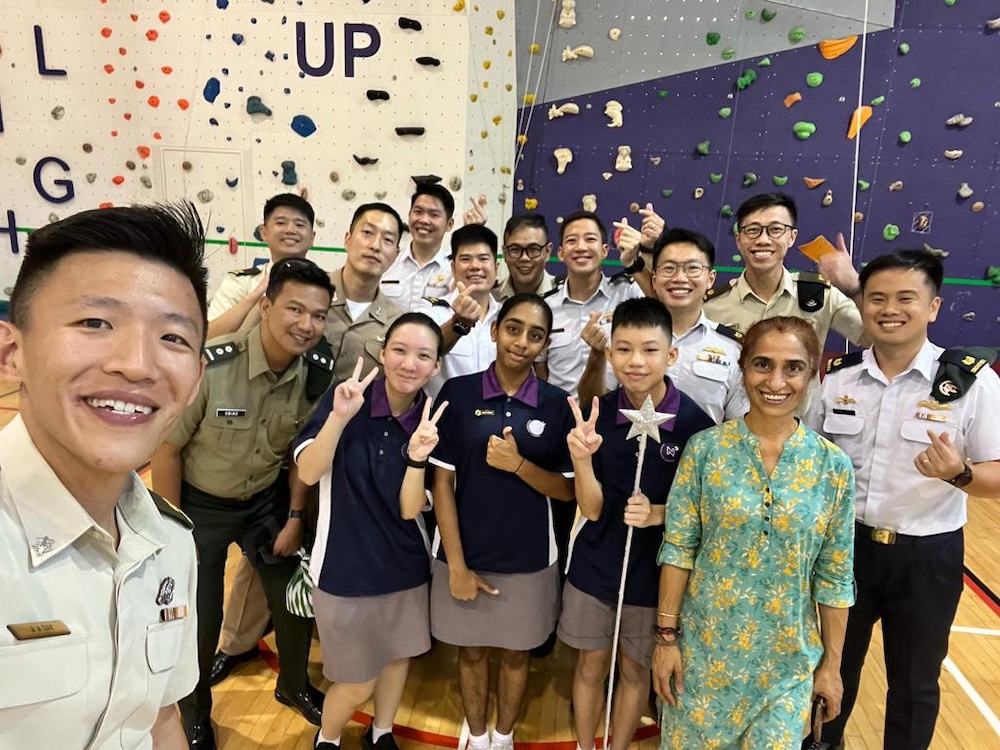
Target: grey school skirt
(523, 615)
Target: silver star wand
(645, 424)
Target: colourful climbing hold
(804, 130)
(863, 185)
(662, 93)
(915, 83)
(712, 38)
(905, 137)
(890, 232)
(767, 15)
(666, 193)
(814, 79)
(715, 177)
(747, 79)
(796, 35)
(903, 49)
(725, 112)
(303, 125)
(728, 53)
(780, 180)
(704, 148)
(878, 100)
(764, 62)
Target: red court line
(981, 590)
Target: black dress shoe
(385, 742)
(223, 664)
(317, 745)
(309, 703)
(200, 736)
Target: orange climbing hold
(792, 99)
(133, 16)
(127, 116)
(183, 103)
(164, 16)
(122, 51)
(166, 70)
(114, 133)
(152, 35)
(154, 101)
(831, 49)
(118, 179)
(858, 120)
(112, 100)
(140, 85)
(106, 32)
(144, 151)
(109, 69)
(106, 204)
(813, 182)
(156, 137)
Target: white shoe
(496, 744)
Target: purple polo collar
(527, 394)
(409, 419)
(669, 405)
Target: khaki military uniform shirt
(740, 308)
(234, 287)
(235, 435)
(130, 611)
(363, 337)
(505, 287)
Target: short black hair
(678, 235)
(526, 298)
(643, 312)
(581, 216)
(292, 201)
(384, 208)
(420, 319)
(169, 233)
(473, 234)
(522, 221)
(301, 270)
(926, 261)
(435, 191)
(766, 200)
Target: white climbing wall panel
(149, 101)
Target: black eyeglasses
(774, 231)
(692, 269)
(516, 252)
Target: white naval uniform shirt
(234, 288)
(101, 686)
(708, 371)
(406, 282)
(473, 352)
(567, 353)
(883, 425)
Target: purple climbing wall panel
(948, 65)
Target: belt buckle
(883, 536)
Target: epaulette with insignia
(844, 360)
(220, 352)
(319, 373)
(957, 370)
(811, 289)
(718, 291)
(170, 510)
(622, 277)
(730, 333)
(438, 301)
(252, 271)
(557, 283)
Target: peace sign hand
(583, 440)
(349, 395)
(425, 437)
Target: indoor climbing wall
(761, 96)
(227, 103)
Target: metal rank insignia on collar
(165, 594)
(846, 400)
(43, 545)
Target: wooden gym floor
(248, 717)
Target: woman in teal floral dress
(759, 531)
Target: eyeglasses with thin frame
(774, 231)
(516, 252)
(692, 269)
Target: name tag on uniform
(389, 281)
(27, 631)
(230, 412)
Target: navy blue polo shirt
(598, 547)
(363, 547)
(505, 525)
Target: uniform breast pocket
(373, 347)
(711, 371)
(915, 430)
(42, 670)
(281, 428)
(392, 289)
(848, 425)
(163, 644)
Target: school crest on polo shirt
(670, 452)
(535, 427)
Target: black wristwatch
(962, 478)
(461, 327)
(636, 266)
(299, 514)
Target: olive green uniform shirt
(235, 435)
(739, 308)
(365, 336)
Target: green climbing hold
(915, 83)
(950, 3)
(749, 178)
(726, 211)
(704, 148)
(745, 80)
(993, 275)
(737, 258)
(750, 15)
(814, 80)
(712, 38)
(905, 137)
(903, 49)
(663, 93)
(715, 177)
(796, 35)
(725, 112)
(878, 100)
(728, 53)
(863, 185)
(666, 193)
(780, 180)
(764, 62)
(767, 15)
(804, 130)
(890, 232)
